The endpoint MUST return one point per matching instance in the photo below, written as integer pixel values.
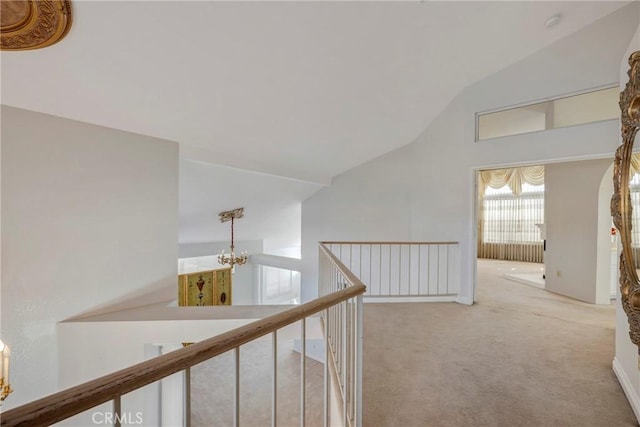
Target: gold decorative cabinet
(222, 287)
(211, 287)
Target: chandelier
(5, 387)
(232, 259)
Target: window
(201, 263)
(573, 110)
(512, 219)
(279, 286)
(511, 206)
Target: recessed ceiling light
(553, 21)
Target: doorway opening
(510, 223)
(566, 247)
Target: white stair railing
(343, 343)
(403, 271)
(341, 311)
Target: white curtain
(509, 210)
(513, 177)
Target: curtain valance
(513, 177)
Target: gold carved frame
(33, 24)
(621, 201)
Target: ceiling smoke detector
(553, 20)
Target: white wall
(366, 203)
(272, 206)
(625, 363)
(425, 191)
(571, 200)
(606, 258)
(89, 217)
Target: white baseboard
(525, 279)
(627, 387)
(464, 300)
(441, 298)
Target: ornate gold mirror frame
(32, 24)
(621, 201)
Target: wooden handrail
(389, 243)
(341, 267)
(64, 404)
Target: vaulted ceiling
(298, 90)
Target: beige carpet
(212, 388)
(519, 357)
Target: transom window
(573, 110)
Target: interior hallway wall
(606, 257)
(90, 216)
(571, 199)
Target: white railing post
(274, 400)
(303, 358)
(358, 360)
(326, 369)
(343, 345)
(390, 279)
(236, 388)
(117, 411)
(187, 397)
(352, 357)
